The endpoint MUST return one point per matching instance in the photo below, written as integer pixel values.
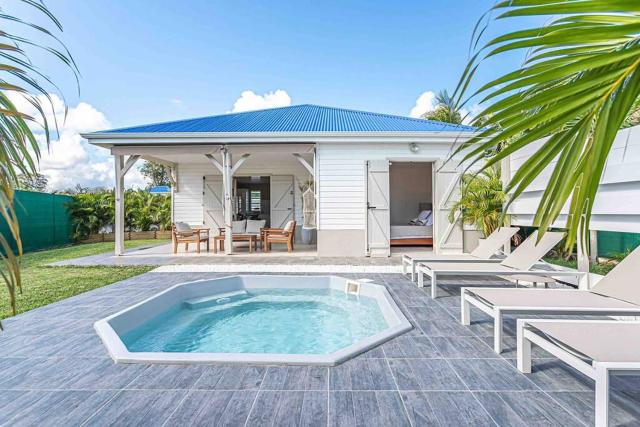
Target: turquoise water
(270, 321)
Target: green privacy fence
(611, 242)
(44, 220)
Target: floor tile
(409, 347)
(520, 409)
(294, 408)
(491, 374)
(138, 407)
(366, 408)
(61, 408)
(624, 409)
(509, 348)
(231, 378)
(168, 377)
(463, 348)
(214, 408)
(445, 408)
(295, 378)
(425, 374)
(361, 374)
(554, 375)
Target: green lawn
(42, 285)
(597, 268)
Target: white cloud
(469, 114)
(176, 102)
(424, 103)
(69, 159)
(249, 100)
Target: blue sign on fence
(161, 189)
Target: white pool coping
(278, 268)
(129, 318)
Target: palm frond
(579, 84)
(19, 149)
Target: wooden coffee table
(251, 238)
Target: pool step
(214, 300)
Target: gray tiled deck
(56, 372)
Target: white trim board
(277, 268)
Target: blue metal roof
(299, 118)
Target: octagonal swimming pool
(255, 319)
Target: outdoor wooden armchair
(279, 235)
(183, 233)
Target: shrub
(95, 212)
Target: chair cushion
(184, 229)
(254, 226)
(289, 226)
(238, 227)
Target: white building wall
(617, 205)
(342, 189)
(188, 202)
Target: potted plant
(481, 201)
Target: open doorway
(411, 204)
(253, 198)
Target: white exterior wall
(188, 202)
(617, 204)
(342, 189)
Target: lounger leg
(434, 290)
(524, 350)
(413, 271)
(420, 279)
(465, 310)
(602, 397)
(497, 331)
(404, 267)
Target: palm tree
(579, 84)
(445, 111)
(481, 201)
(19, 150)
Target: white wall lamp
(414, 148)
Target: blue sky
(148, 61)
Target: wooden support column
(227, 182)
(119, 193)
(228, 169)
(122, 167)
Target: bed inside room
(411, 206)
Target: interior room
(252, 194)
(411, 196)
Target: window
(255, 203)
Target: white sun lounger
(483, 252)
(518, 263)
(616, 350)
(617, 294)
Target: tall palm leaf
(19, 150)
(579, 83)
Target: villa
(338, 337)
(372, 174)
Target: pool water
(281, 321)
